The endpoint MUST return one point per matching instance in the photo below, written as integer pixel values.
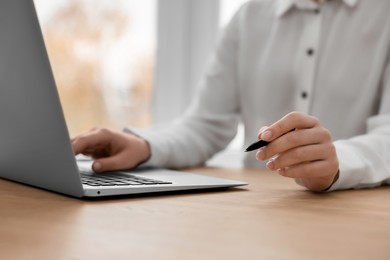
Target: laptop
(35, 146)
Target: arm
(211, 121)
(365, 160)
(206, 128)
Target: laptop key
(117, 180)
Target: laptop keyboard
(112, 179)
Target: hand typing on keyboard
(111, 150)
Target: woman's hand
(111, 150)
(302, 149)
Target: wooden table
(272, 218)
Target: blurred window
(102, 54)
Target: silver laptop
(35, 146)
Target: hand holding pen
(260, 143)
(299, 147)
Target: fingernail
(282, 171)
(260, 154)
(266, 136)
(270, 165)
(261, 131)
(97, 166)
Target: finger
(84, 134)
(112, 163)
(314, 170)
(315, 176)
(92, 141)
(261, 131)
(291, 121)
(100, 153)
(301, 154)
(299, 137)
(97, 153)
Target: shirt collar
(282, 6)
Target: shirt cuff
(156, 158)
(351, 168)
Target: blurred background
(130, 63)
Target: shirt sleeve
(211, 121)
(365, 159)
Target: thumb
(112, 163)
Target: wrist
(145, 150)
(336, 177)
(143, 147)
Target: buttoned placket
(306, 69)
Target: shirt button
(304, 94)
(310, 52)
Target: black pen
(259, 144)
(256, 145)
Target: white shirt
(276, 56)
